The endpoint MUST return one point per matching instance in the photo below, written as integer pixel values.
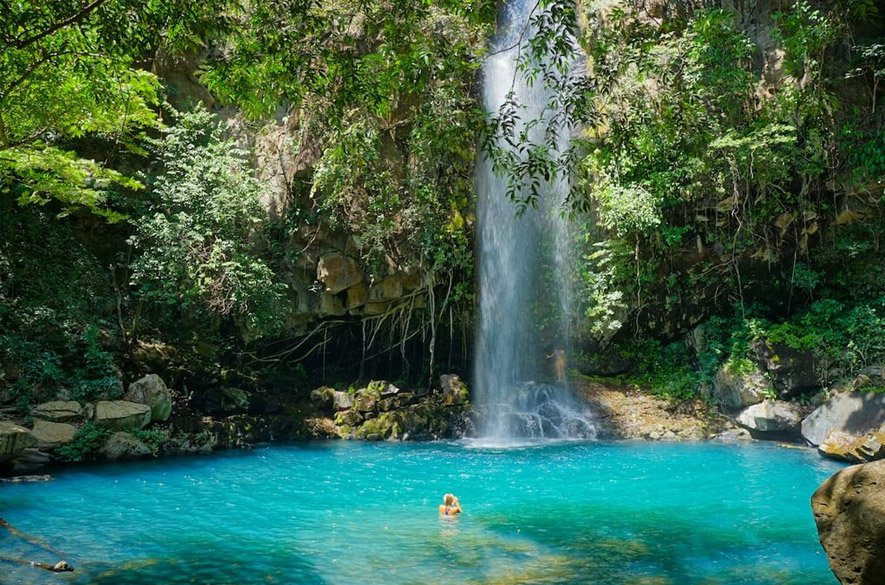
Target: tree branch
(80, 16)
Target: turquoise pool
(347, 512)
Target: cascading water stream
(523, 265)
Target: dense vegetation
(713, 183)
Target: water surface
(345, 513)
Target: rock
(152, 391)
(338, 272)
(331, 306)
(845, 447)
(357, 295)
(59, 411)
(13, 440)
(793, 371)
(454, 391)
(854, 413)
(733, 435)
(388, 289)
(53, 434)
(121, 415)
(849, 510)
(30, 461)
(771, 416)
(341, 401)
(322, 397)
(234, 399)
(122, 445)
(734, 390)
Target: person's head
(449, 499)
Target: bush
(88, 441)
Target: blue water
(347, 512)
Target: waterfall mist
(523, 265)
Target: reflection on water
(357, 513)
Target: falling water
(523, 267)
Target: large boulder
(152, 391)
(59, 411)
(771, 416)
(846, 447)
(53, 434)
(122, 445)
(338, 272)
(854, 413)
(121, 415)
(735, 389)
(849, 509)
(792, 371)
(454, 391)
(13, 440)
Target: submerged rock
(852, 413)
(849, 510)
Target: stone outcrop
(121, 415)
(846, 447)
(793, 372)
(849, 509)
(13, 440)
(53, 434)
(383, 411)
(771, 417)
(734, 390)
(338, 272)
(123, 445)
(853, 413)
(59, 411)
(151, 391)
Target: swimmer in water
(450, 506)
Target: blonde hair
(449, 499)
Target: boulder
(13, 440)
(454, 391)
(234, 399)
(338, 272)
(734, 390)
(322, 397)
(341, 401)
(152, 391)
(854, 413)
(849, 510)
(121, 415)
(771, 416)
(331, 305)
(122, 445)
(792, 371)
(845, 447)
(53, 434)
(59, 411)
(357, 295)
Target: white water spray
(524, 295)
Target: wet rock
(854, 413)
(849, 510)
(59, 411)
(771, 416)
(734, 390)
(338, 272)
(152, 391)
(454, 391)
(30, 461)
(13, 440)
(53, 434)
(121, 415)
(123, 445)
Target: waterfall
(523, 265)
